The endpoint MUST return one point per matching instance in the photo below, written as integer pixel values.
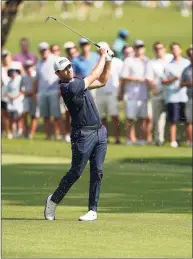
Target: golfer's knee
(97, 174)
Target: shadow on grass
(129, 185)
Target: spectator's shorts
(188, 111)
(176, 112)
(49, 105)
(107, 104)
(3, 105)
(29, 106)
(136, 109)
(15, 107)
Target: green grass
(144, 211)
(146, 198)
(147, 24)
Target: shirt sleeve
(77, 86)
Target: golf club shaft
(72, 30)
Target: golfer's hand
(103, 51)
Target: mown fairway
(145, 205)
(146, 198)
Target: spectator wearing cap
(133, 90)
(106, 97)
(119, 43)
(29, 103)
(47, 90)
(187, 81)
(71, 50)
(85, 62)
(154, 74)
(25, 54)
(15, 99)
(55, 49)
(127, 51)
(6, 60)
(175, 97)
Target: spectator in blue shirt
(86, 61)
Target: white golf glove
(109, 55)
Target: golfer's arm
(96, 73)
(103, 78)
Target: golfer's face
(66, 74)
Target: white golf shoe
(50, 207)
(89, 216)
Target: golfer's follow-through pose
(88, 137)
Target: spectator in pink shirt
(25, 55)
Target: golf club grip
(99, 48)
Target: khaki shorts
(107, 104)
(49, 105)
(136, 109)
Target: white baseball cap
(43, 46)
(139, 43)
(69, 45)
(15, 65)
(83, 41)
(61, 63)
(5, 52)
(28, 63)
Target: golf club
(51, 17)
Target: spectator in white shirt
(46, 88)
(106, 97)
(30, 106)
(6, 60)
(134, 87)
(154, 76)
(175, 96)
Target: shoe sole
(45, 210)
(87, 220)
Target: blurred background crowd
(148, 91)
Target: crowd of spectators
(153, 91)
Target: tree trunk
(8, 13)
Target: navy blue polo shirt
(80, 103)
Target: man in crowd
(106, 97)
(47, 90)
(55, 49)
(134, 87)
(187, 81)
(127, 51)
(86, 61)
(119, 43)
(175, 97)
(25, 54)
(155, 71)
(71, 51)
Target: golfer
(88, 137)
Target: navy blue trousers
(87, 145)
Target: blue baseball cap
(123, 33)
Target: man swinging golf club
(88, 137)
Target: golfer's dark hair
(175, 43)
(189, 52)
(157, 43)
